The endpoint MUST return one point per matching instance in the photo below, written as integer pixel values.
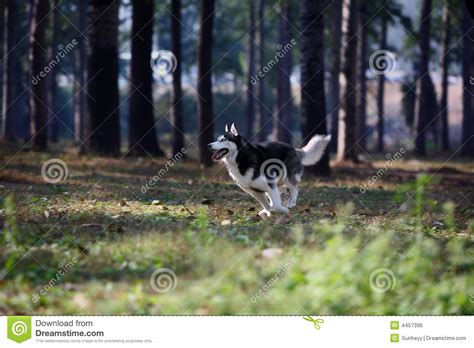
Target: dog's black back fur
(252, 155)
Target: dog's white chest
(242, 180)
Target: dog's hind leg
(292, 184)
(275, 199)
(293, 195)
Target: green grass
(416, 230)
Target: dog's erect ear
(226, 128)
(233, 130)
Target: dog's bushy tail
(312, 152)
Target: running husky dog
(259, 168)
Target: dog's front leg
(275, 199)
(260, 197)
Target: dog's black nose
(209, 146)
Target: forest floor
(91, 243)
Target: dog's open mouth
(219, 154)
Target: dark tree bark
(335, 68)
(177, 106)
(468, 91)
(52, 92)
(80, 64)
(346, 148)
(2, 50)
(251, 71)
(142, 138)
(10, 103)
(381, 86)
(204, 86)
(264, 114)
(102, 88)
(422, 116)
(313, 104)
(283, 118)
(362, 67)
(38, 98)
(443, 104)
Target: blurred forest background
(375, 75)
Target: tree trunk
(282, 120)
(102, 88)
(177, 106)
(334, 85)
(53, 86)
(10, 103)
(423, 77)
(362, 67)
(346, 148)
(38, 98)
(443, 104)
(251, 71)
(80, 58)
(204, 86)
(467, 140)
(142, 133)
(313, 104)
(264, 114)
(381, 87)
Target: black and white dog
(259, 168)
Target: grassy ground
(90, 244)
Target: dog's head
(227, 144)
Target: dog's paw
(264, 213)
(291, 204)
(282, 209)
